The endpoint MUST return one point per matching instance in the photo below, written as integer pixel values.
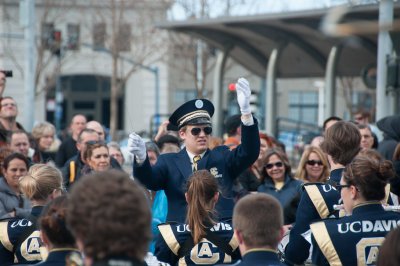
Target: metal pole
(270, 116)
(330, 81)
(157, 100)
(218, 92)
(59, 97)
(383, 100)
(29, 68)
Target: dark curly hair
(108, 212)
(53, 223)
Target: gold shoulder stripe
(324, 241)
(169, 237)
(387, 193)
(182, 262)
(234, 243)
(5, 241)
(318, 201)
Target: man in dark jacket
(193, 120)
(390, 126)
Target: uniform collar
(336, 175)
(261, 253)
(191, 155)
(368, 206)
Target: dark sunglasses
(270, 165)
(339, 187)
(92, 142)
(314, 162)
(196, 130)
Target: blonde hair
(301, 172)
(41, 129)
(40, 181)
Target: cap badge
(199, 104)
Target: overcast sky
(252, 7)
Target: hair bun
(386, 170)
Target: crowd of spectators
(201, 200)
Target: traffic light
(56, 45)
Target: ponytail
(40, 181)
(201, 189)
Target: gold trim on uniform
(234, 243)
(194, 114)
(373, 243)
(324, 241)
(318, 201)
(387, 194)
(169, 237)
(34, 245)
(5, 241)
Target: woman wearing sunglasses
(356, 238)
(313, 166)
(277, 181)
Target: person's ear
(354, 192)
(216, 196)
(238, 236)
(182, 134)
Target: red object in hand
(232, 87)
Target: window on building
(73, 31)
(47, 36)
(303, 106)
(99, 36)
(124, 37)
(182, 96)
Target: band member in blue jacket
(341, 143)
(355, 239)
(258, 227)
(20, 238)
(203, 239)
(193, 120)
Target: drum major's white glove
(243, 95)
(136, 146)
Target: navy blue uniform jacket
(325, 196)
(173, 236)
(172, 170)
(31, 249)
(353, 240)
(260, 257)
(58, 257)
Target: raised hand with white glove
(243, 95)
(137, 147)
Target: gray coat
(10, 201)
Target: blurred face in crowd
(367, 140)
(263, 148)
(86, 137)
(77, 124)
(152, 157)
(195, 138)
(99, 160)
(46, 140)
(116, 154)
(20, 143)
(360, 119)
(96, 127)
(8, 108)
(16, 168)
(314, 167)
(275, 168)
